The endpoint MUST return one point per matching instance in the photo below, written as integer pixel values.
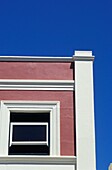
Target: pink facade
(36, 70)
(45, 71)
(47, 112)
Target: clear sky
(57, 28)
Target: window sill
(58, 160)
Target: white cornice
(64, 160)
(78, 56)
(36, 58)
(15, 84)
(83, 56)
(44, 59)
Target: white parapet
(84, 107)
(83, 53)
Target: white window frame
(51, 107)
(28, 142)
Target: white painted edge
(84, 102)
(83, 56)
(78, 55)
(36, 58)
(57, 160)
(83, 53)
(19, 84)
(28, 142)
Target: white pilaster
(84, 107)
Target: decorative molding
(15, 84)
(21, 142)
(51, 107)
(61, 160)
(36, 58)
(83, 53)
(83, 56)
(78, 56)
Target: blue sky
(57, 28)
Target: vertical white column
(84, 107)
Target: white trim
(53, 107)
(79, 55)
(54, 160)
(84, 102)
(36, 58)
(28, 142)
(83, 56)
(17, 84)
(83, 53)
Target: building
(52, 96)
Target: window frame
(39, 142)
(53, 107)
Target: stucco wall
(45, 71)
(66, 112)
(36, 70)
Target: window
(30, 128)
(28, 131)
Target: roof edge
(35, 58)
(78, 56)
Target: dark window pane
(29, 133)
(29, 117)
(29, 150)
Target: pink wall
(67, 112)
(36, 70)
(45, 71)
